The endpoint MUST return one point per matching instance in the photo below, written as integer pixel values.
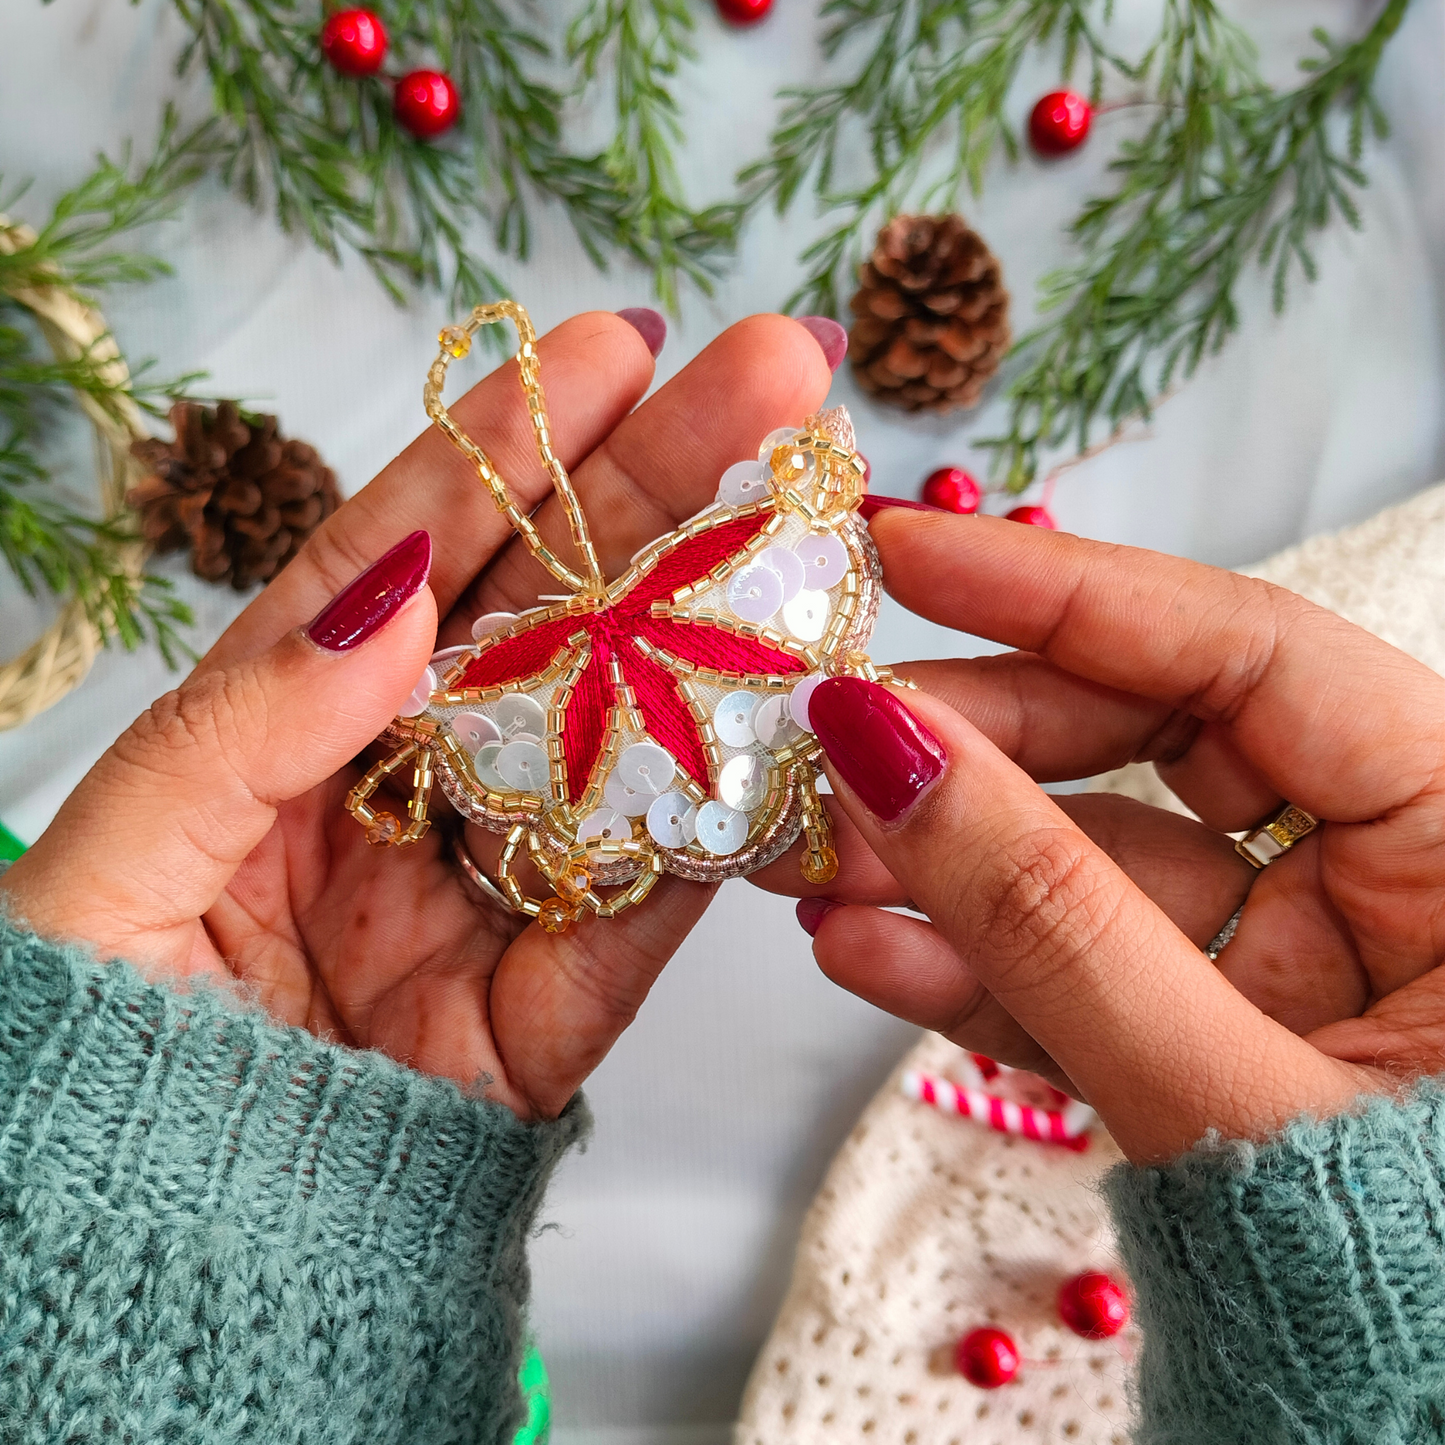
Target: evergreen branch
(1230, 173)
(928, 67)
(326, 152)
(50, 545)
(46, 543)
(648, 40)
(74, 247)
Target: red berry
(354, 42)
(952, 489)
(1059, 122)
(1034, 517)
(743, 12)
(987, 1358)
(427, 103)
(1093, 1305)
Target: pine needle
(646, 42)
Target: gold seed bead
(820, 867)
(383, 831)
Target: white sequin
(646, 768)
(825, 560)
(441, 661)
(630, 802)
(789, 567)
(720, 829)
(800, 697)
(520, 716)
(732, 719)
(776, 439)
(490, 622)
(755, 594)
(472, 729)
(605, 823)
(485, 764)
(744, 482)
(774, 724)
(524, 766)
(672, 821)
(420, 695)
(806, 616)
(743, 782)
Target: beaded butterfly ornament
(658, 723)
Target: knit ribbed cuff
(1294, 1291)
(239, 1191)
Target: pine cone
(932, 315)
(241, 497)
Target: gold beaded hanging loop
(456, 341)
(383, 829)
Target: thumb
(156, 829)
(1033, 912)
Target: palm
(376, 949)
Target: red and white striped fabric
(1067, 1123)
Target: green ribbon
(10, 846)
(536, 1391)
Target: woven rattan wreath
(61, 657)
(658, 723)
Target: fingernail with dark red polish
(871, 505)
(365, 605)
(882, 751)
(650, 325)
(830, 336)
(812, 912)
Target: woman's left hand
(212, 838)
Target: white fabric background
(718, 1111)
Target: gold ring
(1261, 846)
(468, 866)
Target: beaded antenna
(658, 723)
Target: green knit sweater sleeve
(214, 1229)
(1295, 1290)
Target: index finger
(1284, 677)
(596, 367)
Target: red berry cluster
(952, 490)
(1092, 1305)
(425, 102)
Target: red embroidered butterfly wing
(623, 633)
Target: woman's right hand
(1080, 955)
